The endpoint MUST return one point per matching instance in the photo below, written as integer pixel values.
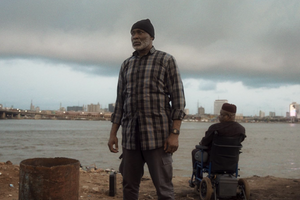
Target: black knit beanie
(145, 25)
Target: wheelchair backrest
(225, 154)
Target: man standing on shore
(148, 81)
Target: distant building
(187, 111)
(261, 114)
(294, 110)
(272, 114)
(75, 108)
(105, 110)
(37, 109)
(239, 117)
(31, 106)
(47, 112)
(111, 107)
(62, 109)
(201, 111)
(218, 105)
(93, 107)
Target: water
(269, 149)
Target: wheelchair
(221, 169)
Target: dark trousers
(160, 168)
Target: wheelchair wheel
(243, 189)
(206, 189)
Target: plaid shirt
(146, 87)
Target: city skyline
(216, 106)
(244, 51)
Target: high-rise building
(111, 107)
(93, 107)
(218, 105)
(201, 111)
(31, 106)
(272, 114)
(261, 114)
(75, 108)
(294, 110)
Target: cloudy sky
(70, 51)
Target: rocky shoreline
(94, 184)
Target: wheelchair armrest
(201, 147)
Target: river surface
(269, 149)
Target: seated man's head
(227, 113)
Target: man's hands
(113, 140)
(172, 143)
(113, 144)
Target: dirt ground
(94, 184)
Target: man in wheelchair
(217, 155)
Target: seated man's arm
(207, 139)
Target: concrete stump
(49, 179)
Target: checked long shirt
(150, 91)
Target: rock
(98, 170)
(8, 162)
(85, 188)
(95, 189)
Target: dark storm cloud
(253, 42)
